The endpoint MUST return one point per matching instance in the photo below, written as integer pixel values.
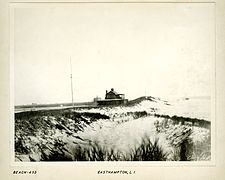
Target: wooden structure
(112, 98)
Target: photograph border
(214, 106)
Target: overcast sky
(138, 49)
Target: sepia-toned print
(113, 82)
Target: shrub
(148, 151)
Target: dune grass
(147, 150)
(42, 124)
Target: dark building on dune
(113, 95)
(113, 98)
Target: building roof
(112, 90)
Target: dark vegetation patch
(179, 119)
(148, 151)
(179, 137)
(62, 112)
(137, 114)
(145, 151)
(43, 124)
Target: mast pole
(71, 80)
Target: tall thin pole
(71, 78)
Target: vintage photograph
(113, 81)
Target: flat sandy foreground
(148, 131)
